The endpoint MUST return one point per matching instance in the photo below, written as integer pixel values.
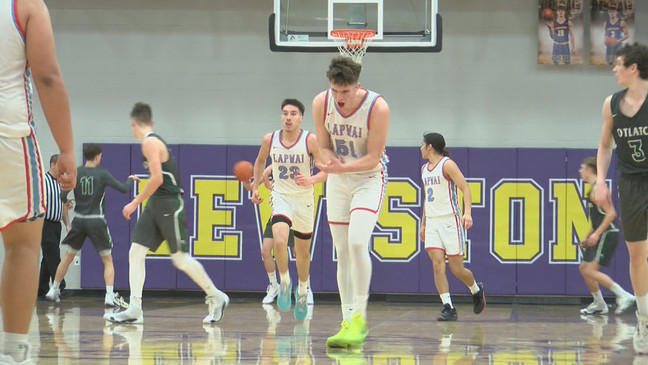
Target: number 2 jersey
(349, 132)
(631, 137)
(441, 197)
(287, 161)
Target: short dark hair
(54, 158)
(343, 71)
(91, 150)
(635, 53)
(437, 142)
(294, 102)
(142, 113)
(590, 162)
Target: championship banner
(611, 26)
(528, 209)
(560, 32)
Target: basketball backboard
(400, 26)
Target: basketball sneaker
(640, 338)
(595, 308)
(447, 313)
(357, 331)
(309, 298)
(339, 339)
(10, 360)
(54, 295)
(216, 307)
(479, 302)
(271, 293)
(131, 315)
(624, 303)
(284, 299)
(301, 305)
(115, 300)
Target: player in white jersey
(351, 126)
(443, 227)
(291, 150)
(26, 50)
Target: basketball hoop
(353, 43)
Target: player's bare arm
(259, 166)
(422, 229)
(323, 137)
(321, 176)
(452, 172)
(155, 152)
(41, 58)
(604, 154)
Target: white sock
(347, 312)
(474, 289)
(361, 226)
(360, 305)
(135, 303)
(445, 299)
(619, 291)
(272, 278)
(17, 346)
(109, 289)
(55, 284)
(642, 305)
(302, 288)
(598, 297)
(285, 277)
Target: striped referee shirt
(53, 200)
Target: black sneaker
(479, 302)
(447, 314)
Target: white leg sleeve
(361, 225)
(195, 271)
(340, 236)
(136, 269)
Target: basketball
(547, 14)
(610, 41)
(243, 170)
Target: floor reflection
(74, 332)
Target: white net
(352, 43)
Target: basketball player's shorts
(610, 53)
(604, 250)
(93, 227)
(21, 187)
(297, 208)
(162, 220)
(346, 193)
(267, 233)
(633, 204)
(561, 54)
(445, 233)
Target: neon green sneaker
(357, 332)
(339, 339)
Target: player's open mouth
(340, 104)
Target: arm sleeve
(113, 183)
(64, 195)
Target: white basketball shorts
(298, 208)
(348, 192)
(21, 186)
(445, 233)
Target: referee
(51, 238)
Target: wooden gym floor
(74, 332)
